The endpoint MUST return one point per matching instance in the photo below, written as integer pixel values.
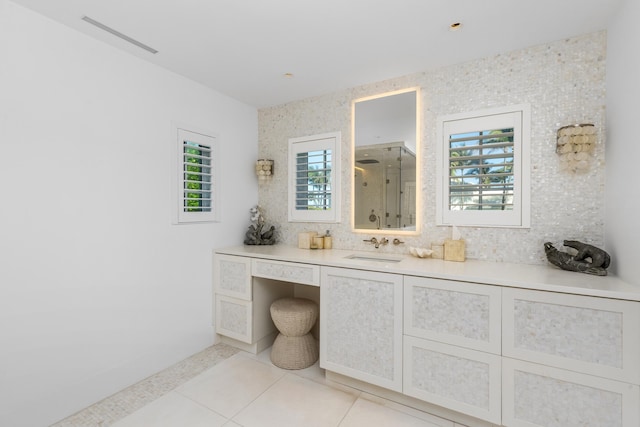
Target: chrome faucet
(372, 240)
(377, 242)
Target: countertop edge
(523, 276)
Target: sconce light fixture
(264, 169)
(575, 144)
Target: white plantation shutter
(483, 175)
(196, 183)
(314, 178)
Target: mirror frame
(419, 219)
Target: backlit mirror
(385, 165)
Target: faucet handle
(371, 240)
(397, 241)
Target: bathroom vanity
(477, 342)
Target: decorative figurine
(589, 259)
(254, 235)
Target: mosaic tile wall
(564, 83)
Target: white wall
(623, 148)
(97, 288)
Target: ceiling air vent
(119, 34)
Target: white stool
(294, 347)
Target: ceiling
(243, 48)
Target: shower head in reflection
(373, 218)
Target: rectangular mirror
(386, 173)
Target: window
(314, 178)
(196, 177)
(483, 172)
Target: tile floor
(222, 386)
(249, 391)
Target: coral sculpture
(255, 235)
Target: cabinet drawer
(463, 314)
(232, 276)
(540, 396)
(234, 318)
(464, 380)
(597, 336)
(305, 274)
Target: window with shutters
(314, 178)
(483, 177)
(196, 177)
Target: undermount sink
(377, 258)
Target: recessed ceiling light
(288, 75)
(455, 26)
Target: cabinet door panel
(234, 318)
(361, 325)
(541, 396)
(464, 380)
(232, 276)
(463, 314)
(597, 336)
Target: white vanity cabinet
(570, 360)
(476, 343)
(452, 345)
(361, 325)
(242, 301)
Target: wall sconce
(264, 169)
(575, 146)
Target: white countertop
(539, 277)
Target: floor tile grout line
(357, 393)
(350, 408)
(202, 405)
(257, 397)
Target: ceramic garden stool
(294, 347)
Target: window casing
(483, 168)
(196, 177)
(314, 178)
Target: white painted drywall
(97, 288)
(623, 144)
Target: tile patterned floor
(118, 406)
(245, 390)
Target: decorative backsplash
(563, 81)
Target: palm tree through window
(481, 170)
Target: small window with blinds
(196, 181)
(481, 170)
(484, 165)
(314, 178)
